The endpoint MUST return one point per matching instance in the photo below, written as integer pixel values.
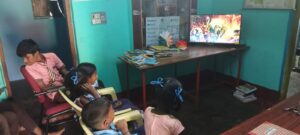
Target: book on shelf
(160, 47)
(268, 128)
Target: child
(99, 115)
(91, 71)
(45, 68)
(160, 120)
(13, 116)
(81, 90)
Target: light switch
(99, 18)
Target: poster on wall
(155, 26)
(270, 4)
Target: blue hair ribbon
(178, 94)
(159, 81)
(74, 78)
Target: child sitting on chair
(81, 91)
(99, 115)
(45, 68)
(160, 120)
(83, 84)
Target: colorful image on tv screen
(215, 28)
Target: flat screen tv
(223, 29)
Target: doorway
(294, 82)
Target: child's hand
(122, 126)
(87, 87)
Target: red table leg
(197, 83)
(144, 89)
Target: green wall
(3, 95)
(266, 32)
(103, 44)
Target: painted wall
(266, 32)
(17, 23)
(103, 44)
(3, 95)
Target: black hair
(94, 112)
(167, 100)
(88, 67)
(73, 81)
(27, 46)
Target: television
(223, 29)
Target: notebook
(268, 128)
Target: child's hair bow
(178, 92)
(159, 81)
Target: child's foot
(117, 104)
(59, 132)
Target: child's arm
(123, 127)
(63, 70)
(43, 86)
(89, 88)
(83, 100)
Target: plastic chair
(126, 114)
(110, 91)
(49, 109)
(86, 130)
(129, 116)
(105, 91)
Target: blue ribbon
(178, 94)
(74, 78)
(159, 81)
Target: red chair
(49, 109)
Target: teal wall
(266, 32)
(3, 95)
(17, 23)
(103, 44)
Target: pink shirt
(39, 70)
(161, 124)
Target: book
(160, 47)
(244, 94)
(246, 88)
(268, 128)
(244, 99)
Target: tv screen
(215, 28)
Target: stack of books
(245, 93)
(140, 57)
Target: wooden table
(191, 53)
(275, 115)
